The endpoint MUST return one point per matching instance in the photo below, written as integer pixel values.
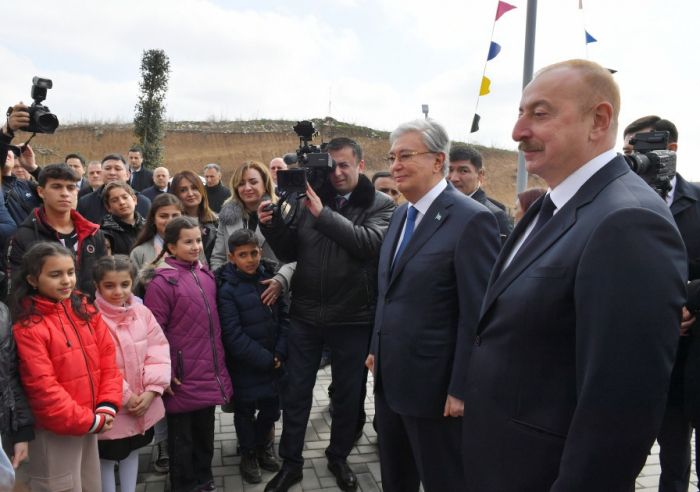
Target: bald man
(277, 164)
(572, 356)
(161, 178)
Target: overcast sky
(375, 61)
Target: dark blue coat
(20, 198)
(253, 333)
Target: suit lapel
(435, 216)
(683, 196)
(562, 221)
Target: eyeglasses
(404, 157)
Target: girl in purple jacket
(182, 296)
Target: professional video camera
(41, 120)
(314, 163)
(652, 162)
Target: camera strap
(27, 142)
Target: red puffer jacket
(68, 368)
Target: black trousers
(254, 431)
(349, 346)
(676, 432)
(191, 448)
(414, 450)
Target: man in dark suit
(572, 358)
(465, 173)
(433, 270)
(77, 162)
(141, 178)
(94, 178)
(161, 178)
(676, 429)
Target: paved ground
(364, 458)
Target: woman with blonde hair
(251, 184)
(188, 187)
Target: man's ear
(672, 146)
(602, 119)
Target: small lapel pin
(438, 217)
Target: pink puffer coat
(143, 357)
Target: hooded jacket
(121, 235)
(230, 220)
(335, 281)
(68, 368)
(182, 297)
(20, 198)
(91, 246)
(16, 418)
(253, 333)
(143, 357)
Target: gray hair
(215, 167)
(435, 137)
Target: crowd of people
(541, 352)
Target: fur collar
(232, 213)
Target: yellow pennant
(485, 87)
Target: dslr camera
(652, 162)
(41, 119)
(314, 163)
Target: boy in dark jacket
(255, 340)
(57, 221)
(123, 223)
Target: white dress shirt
(422, 207)
(565, 192)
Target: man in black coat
(114, 168)
(433, 271)
(466, 169)
(141, 178)
(572, 358)
(217, 193)
(335, 240)
(161, 178)
(683, 404)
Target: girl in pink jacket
(143, 357)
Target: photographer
(683, 406)
(335, 240)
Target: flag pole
(529, 61)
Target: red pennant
(503, 7)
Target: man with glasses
(433, 271)
(465, 173)
(383, 182)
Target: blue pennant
(494, 50)
(590, 39)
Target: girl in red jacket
(68, 368)
(143, 357)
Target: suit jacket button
(478, 340)
(387, 300)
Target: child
(143, 358)
(67, 367)
(182, 296)
(255, 339)
(57, 222)
(148, 245)
(123, 223)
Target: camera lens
(47, 122)
(297, 179)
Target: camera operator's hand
(687, 320)
(264, 216)
(9, 163)
(26, 158)
(312, 201)
(19, 118)
(273, 291)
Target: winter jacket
(335, 281)
(7, 223)
(216, 196)
(91, 246)
(121, 235)
(182, 297)
(143, 357)
(208, 238)
(93, 208)
(21, 198)
(16, 418)
(67, 367)
(253, 333)
(230, 220)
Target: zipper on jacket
(326, 254)
(211, 334)
(82, 349)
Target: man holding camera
(683, 406)
(335, 240)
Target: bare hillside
(191, 145)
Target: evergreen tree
(149, 121)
